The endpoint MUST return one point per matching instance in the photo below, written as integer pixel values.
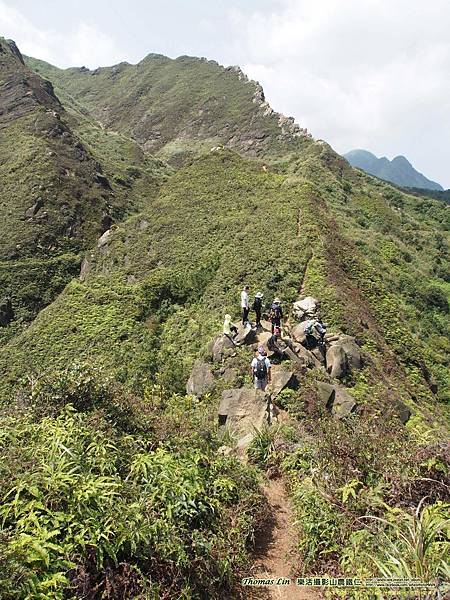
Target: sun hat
(259, 295)
(277, 301)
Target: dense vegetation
(180, 107)
(112, 481)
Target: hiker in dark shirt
(257, 307)
(276, 314)
(276, 345)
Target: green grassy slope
(112, 480)
(118, 344)
(64, 180)
(224, 220)
(178, 107)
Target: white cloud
(83, 44)
(358, 73)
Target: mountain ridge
(399, 170)
(115, 482)
(140, 96)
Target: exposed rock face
(306, 357)
(280, 380)
(201, 381)
(351, 349)
(305, 308)
(85, 269)
(337, 364)
(336, 399)
(219, 348)
(242, 410)
(104, 239)
(298, 333)
(246, 335)
(402, 411)
(6, 312)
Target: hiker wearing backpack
(276, 314)
(244, 305)
(260, 369)
(315, 332)
(229, 329)
(257, 307)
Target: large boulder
(242, 410)
(266, 325)
(6, 312)
(351, 349)
(306, 357)
(201, 381)
(221, 346)
(246, 335)
(298, 332)
(343, 404)
(336, 399)
(336, 360)
(402, 411)
(280, 380)
(263, 338)
(305, 308)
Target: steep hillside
(177, 107)
(398, 170)
(64, 181)
(115, 483)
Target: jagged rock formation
(177, 107)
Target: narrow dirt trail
(275, 553)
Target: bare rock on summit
(219, 348)
(242, 410)
(201, 381)
(351, 350)
(6, 312)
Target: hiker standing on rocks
(315, 326)
(257, 307)
(260, 369)
(229, 329)
(276, 314)
(244, 305)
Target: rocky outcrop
(336, 399)
(351, 350)
(246, 335)
(242, 410)
(337, 364)
(305, 308)
(6, 312)
(402, 412)
(221, 347)
(201, 381)
(280, 381)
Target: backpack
(257, 304)
(261, 368)
(275, 312)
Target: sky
(372, 74)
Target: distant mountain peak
(398, 170)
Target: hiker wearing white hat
(257, 307)
(276, 314)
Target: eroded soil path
(275, 553)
